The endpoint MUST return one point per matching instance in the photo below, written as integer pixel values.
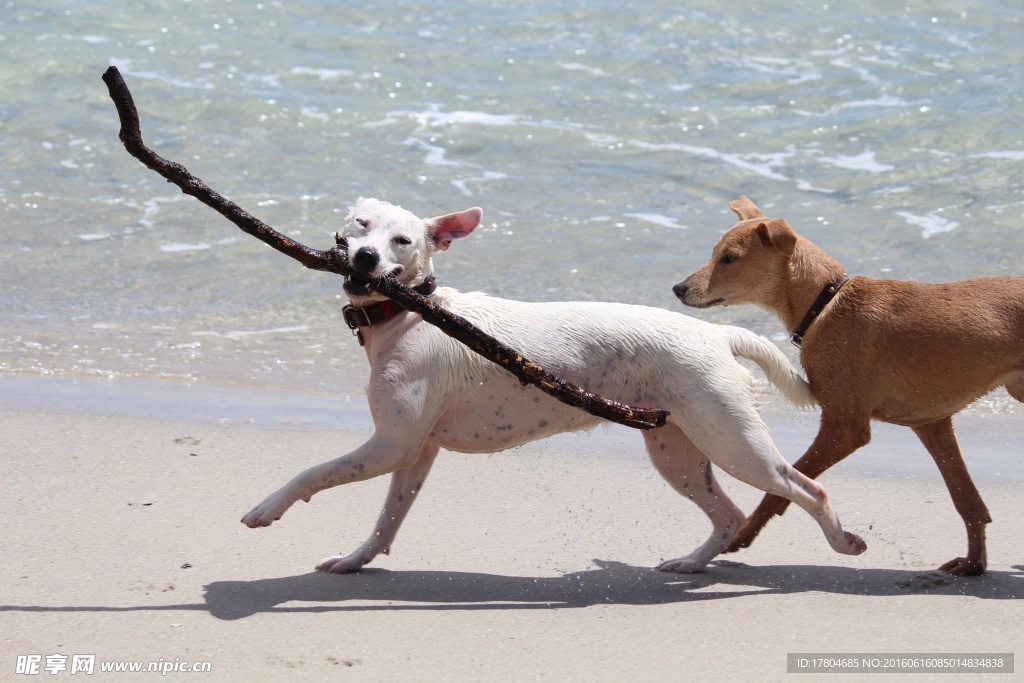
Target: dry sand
(122, 539)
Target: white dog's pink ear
(745, 209)
(443, 229)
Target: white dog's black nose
(365, 260)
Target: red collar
(374, 314)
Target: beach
(123, 541)
(161, 373)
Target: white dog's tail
(776, 366)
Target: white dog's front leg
(375, 457)
(405, 486)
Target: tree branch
(335, 260)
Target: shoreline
(987, 440)
(123, 541)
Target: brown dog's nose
(680, 289)
(365, 260)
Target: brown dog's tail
(775, 365)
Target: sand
(122, 540)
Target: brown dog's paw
(738, 545)
(962, 566)
(743, 539)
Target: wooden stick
(335, 260)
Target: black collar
(367, 316)
(817, 307)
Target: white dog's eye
(362, 222)
(403, 240)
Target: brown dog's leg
(939, 439)
(836, 439)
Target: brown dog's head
(750, 264)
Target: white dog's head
(384, 239)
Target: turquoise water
(603, 140)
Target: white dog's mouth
(358, 285)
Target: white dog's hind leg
(405, 486)
(689, 472)
(748, 453)
(811, 496)
(377, 456)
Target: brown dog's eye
(727, 259)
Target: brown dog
(907, 353)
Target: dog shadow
(610, 583)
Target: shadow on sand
(611, 583)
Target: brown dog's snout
(365, 260)
(680, 289)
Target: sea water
(603, 140)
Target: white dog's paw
(682, 565)
(267, 512)
(343, 564)
(854, 544)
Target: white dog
(428, 391)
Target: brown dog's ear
(776, 233)
(745, 209)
